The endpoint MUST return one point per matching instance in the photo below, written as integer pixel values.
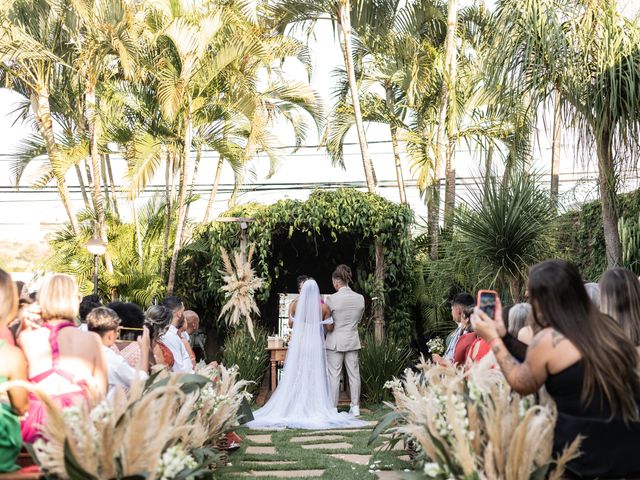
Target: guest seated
(518, 321)
(131, 323)
(196, 338)
(106, 323)
(620, 299)
(459, 303)
(65, 362)
(12, 367)
(588, 365)
(171, 339)
(87, 304)
(184, 335)
(158, 320)
(593, 290)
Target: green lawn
(336, 469)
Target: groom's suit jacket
(346, 308)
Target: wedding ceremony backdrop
(310, 237)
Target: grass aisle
(294, 457)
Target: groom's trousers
(335, 360)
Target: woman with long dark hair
(588, 366)
(620, 299)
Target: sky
(27, 214)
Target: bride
(302, 399)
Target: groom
(343, 343)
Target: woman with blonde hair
(13, 366)
(620, 299)
(64, 362)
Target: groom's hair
(342, 274)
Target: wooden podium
(278, 354)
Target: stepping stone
(405, 458)
(352, 458)
(268, 462)
(261, 439)
(345, 430)
(389, 475)
(325, 446)
(284, 473)
(251, 450)
(315, 438)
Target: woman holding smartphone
(587, 364)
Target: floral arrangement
(165, 428)
(240, 286)
(473, 426)
(436, 346)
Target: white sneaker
(355, 411)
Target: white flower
(173, 461)
(432, 469)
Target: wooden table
(278, 354)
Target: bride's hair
(343, 274)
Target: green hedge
(581, 237)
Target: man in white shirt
(106, 323)
(172, 340)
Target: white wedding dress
(302, 399)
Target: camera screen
(488, 303)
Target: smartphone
(487, 302)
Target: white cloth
(185, 336)
(119, 372)
(181, 360)
(303, 399)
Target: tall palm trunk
(608, 199)
(555, 150)
(182, 196)
(83, 188)
(105, 182)
(196, 167)
(449, 115)
(394, 145)
(42, 112)
(114, 196)
(488, 169)
(344, 22)
(214, 189)
(138, 234)
(167, 227)
(90, 99)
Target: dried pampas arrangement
(472, 425)
(161, 429)
(241, 284)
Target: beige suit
(343, 343)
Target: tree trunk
(378, 304)
(114, 195)
(449, 91)
(167, 227)
(42, 112)
(83, 188)
(105, 182)
(396, 150)
(138, 234)
(555, 150)
(90, 99)
(488, 169)
(344, 22)
(182, 196)
(608, 199)
(214, 189)
(195, 175)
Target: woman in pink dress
(64, 362)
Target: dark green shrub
(379, 363)
(249, 355)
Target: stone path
(340, 453)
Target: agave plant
(241, 285)
(473, 426)
(506, 228)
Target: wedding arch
(293, 237)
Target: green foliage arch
(293, 237)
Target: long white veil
(302, 399)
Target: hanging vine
(324, 218)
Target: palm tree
(588, 52)
(32, 41)
(340, 12)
